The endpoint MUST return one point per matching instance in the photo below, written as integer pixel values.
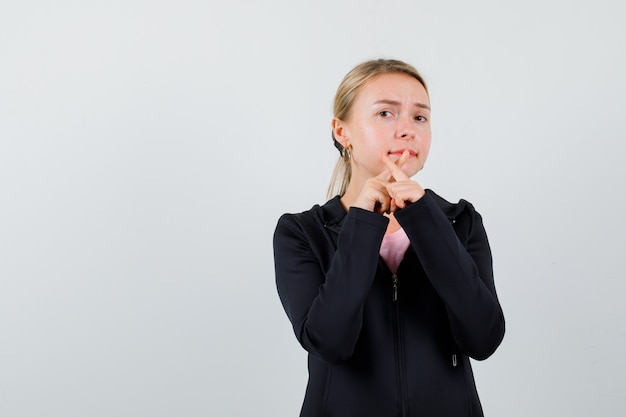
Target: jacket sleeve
(326, 307)
(462, 274)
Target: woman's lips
(401, 151)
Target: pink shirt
(393, 248)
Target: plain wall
(147, 149)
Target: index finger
(385, 175)
(394, 168)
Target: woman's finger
(385, 175)
(374, 196)
(395, 168)
(403, 192)
(393, 206)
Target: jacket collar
(332, 212)
(451, 210)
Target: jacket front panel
(376, 350)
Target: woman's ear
(340, 132)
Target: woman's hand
(401, 189)
(375, 195)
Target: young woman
(388, 286)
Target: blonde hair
(348, 90)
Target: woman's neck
(352, 192)
(393, 225)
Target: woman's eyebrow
(397, 103)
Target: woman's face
(390, 114)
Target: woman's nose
(405, 130)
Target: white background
(147, 149)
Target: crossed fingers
(402, 190)
(395, 168)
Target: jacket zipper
(399, 348)
(394, 279)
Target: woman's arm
(326, 308)
(461, 275)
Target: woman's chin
(411, 169)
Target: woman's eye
(420, 118)
(384, 113)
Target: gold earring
(346, 153)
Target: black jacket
(382, 344)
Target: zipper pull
(394, 278)
(454, 361)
